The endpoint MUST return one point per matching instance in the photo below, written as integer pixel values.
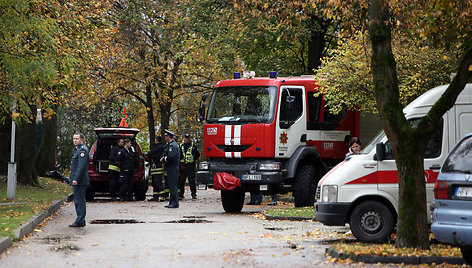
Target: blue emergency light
(273, 74)
(236, 75)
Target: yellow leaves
(15, 115)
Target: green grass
(306, 212)
(29, 201)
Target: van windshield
(242, 104)
(460, 159)
(372, 144)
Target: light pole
(11, 185)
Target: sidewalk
(32, 223)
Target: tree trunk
(412, 224)
(26, 151)
(165, 115)
(409, 149)
(316, 44)
(150, 117)
(47, 149)
(5, 138)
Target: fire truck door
(291, 121)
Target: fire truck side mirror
(379, 151)
(201, 110)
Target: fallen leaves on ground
(359, 248)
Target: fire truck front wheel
(371, 222)
(233, 200)
(304, 190)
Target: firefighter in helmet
(157, 169)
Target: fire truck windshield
(242, 104)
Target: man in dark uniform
(171, 161)
(79, 178)
(126, 164)
(114, 170)
(188, 155)
(157, 169)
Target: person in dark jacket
(114, 170)
(189, 154)
(79, 178)
(126, 163)
(157, 169)
(171, 160)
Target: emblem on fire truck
(283, 138)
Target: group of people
(123, 161)
(166, 161)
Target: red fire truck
(274, 134)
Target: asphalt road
(198, 234)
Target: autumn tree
(157, 57)
(430, 23)
(286, 36)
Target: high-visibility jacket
(188, 153)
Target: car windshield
(460, 159)
(235, 105)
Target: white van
(363, 191)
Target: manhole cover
(115, 221)
(189, 221)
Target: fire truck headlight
(204, 166)
(269, 166)
(329, 193)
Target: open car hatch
(115, 133)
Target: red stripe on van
(390, 176)
(367, 179)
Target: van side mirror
(379, 152)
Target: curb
(28, 227)
(286, 218)
(415, 260)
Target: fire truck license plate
(252, 177)
(464, 192)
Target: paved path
(198, 234)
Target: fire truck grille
(233, 148)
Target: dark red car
(98, 162)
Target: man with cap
(79, 178)
(188, 155)
(171, 162)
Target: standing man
(171, 161)
(114, 170)
(126, 163)
(188, 155)
(79, 178)
(157, 169)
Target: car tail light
(440, 190)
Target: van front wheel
(371, 222)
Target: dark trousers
(79, 202)
(126, 186)
(157, 187)
(173, 180)
(113, 183)
(188, 172)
